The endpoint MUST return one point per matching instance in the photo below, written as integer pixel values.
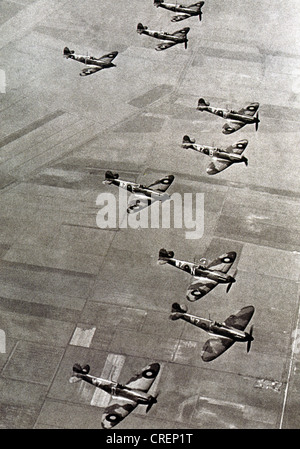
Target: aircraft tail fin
(140, 28)
(164, 255)
(202, 104)
(67, 52)
(158, 2)
(186, 139)
(178, 311)
(77, 371)
(109, 176)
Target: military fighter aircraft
(93, 64)
(236, 119)
(125, 398)
(144, 196)
(184, 12)
(206, 275)
(179, 37)
(224, 334)
(221, 158)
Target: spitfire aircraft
(206, 275)
(144, 196)
(125, 398)
(184, 12)
(221, 159)
(236, 119)
(179, 37)
(223, 334)
(93, 64)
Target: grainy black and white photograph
(149, 224)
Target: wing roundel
(116, 412)
(224, 262)
(161, 185)
(143, 381)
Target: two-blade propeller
(250, 339)
(230, 283)
(256, 122)
(153, 400)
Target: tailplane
(178, 311)
(158, 2)
(202, 104)
(140, 28)
(67, 52)
(110, 176)
(186, 139)
(164, 255)
(77, 371)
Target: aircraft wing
(223, 263)
(196, 6)
(118, 407)
(250, 109)
(238, 147)
(90, 70)
(214, 347)
(180, 17)
(232, 126)
(117, 410)
(162, 185)
(241, 319)
(136, 204)
(143, 381)
(200, 287)
(165, 45)
(218, 165)
(181, 33)
(107, 59)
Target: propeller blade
(153, 400)
(149, 406)
(185, 44)
(228, 287)
(257, 122)
(230, 284)
(250, 341)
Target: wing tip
(151, 370)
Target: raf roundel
(149, 373)
(112, 417)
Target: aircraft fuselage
(229, 115)
(201, 271)
(116, 389)
(215, 152)
(179, 8)
(89, 60)
(164, 36)
(137, 189)
(215, 328)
